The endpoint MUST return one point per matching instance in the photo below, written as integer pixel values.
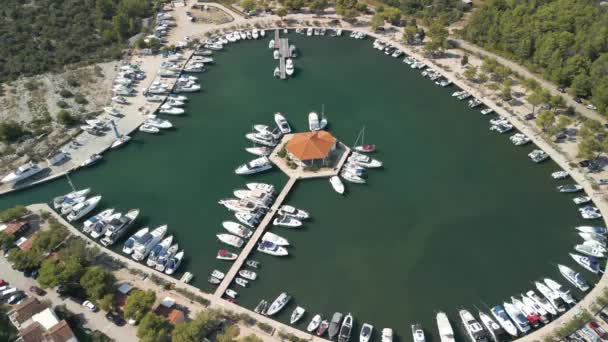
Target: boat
(364, 161)
(259, 151)
(519, 139)
(573, 277)
(264, 199)
(276, 72)
(272, 249)
(157, 122)
(314, 323)
(252, 263)
(542, 301)
(247, 218)
(59, 200)
(168, 109)
(274, 238)
(254, 166)
(261, 186)
(231, 240)
(286, 221)
(346, 328)
(278, 304)
(581, 199)
(187, 276)
(553, 297)
(218, 274)
(446, 333)
(366, 148)
(587, 262)
(486, 111)
(237, 229)
(261, 306)
(148, 129)
(265, 139)
(322, 327)
(69, 203)
(351, 177)
(100, 218)
(542, 313)
(366, 332)
(593, 237)
(313, 121)
(81, 209)
(157, 249)
(241, 282)
(142, 248)
(518, 318)
(243, 205)
(297, 313)
(164, 256)
(119, 100)
(472, 326)
(418, 333)
(174, 262)
(560, 174)
(538, 156)
(336, 184)
(590, 213)
(94, 158)
(134, 239)
(276, 54)
(590, 229)
(570, 188)
(503, 319)
(562, 291)
(271, 44)
(289, 67)
(282, 123)
(497, 333)
(334, 325)
(213, 280)
(529, 313)
(590, 251)
(231, 293)
(115, 229)
(120, 141)
(24, 171)
(224, 254)
(248, 274)
(288, 210)
(387, 335)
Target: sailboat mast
(67, 175)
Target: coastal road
(92, 320)
(552, 88)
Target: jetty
(283, 45)
(259, 231)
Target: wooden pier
(251, 244)
(283, 46)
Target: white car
(87, 304)
(591, 106)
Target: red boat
(366, 148)
(224, 254)
(324, 325)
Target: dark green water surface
(458, 216)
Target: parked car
(529, 116)
(87, 304)
(31, 273)
(603, 316)
(584, 163)
(19, 295)
(37, 290)
(590, 335)
(591, 106)
(3, 282)
(115, 318)
(598, 330)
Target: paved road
(93, 320)
(528, 74)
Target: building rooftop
(311, 145)
(14, 227)
(24, 311)
(46, 318)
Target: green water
(458, 217)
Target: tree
(535, 99)
(438, 34)
(248, 5)
(343, 6)
(318, 6)
(23, 260)
(186, 332)
(11, 131)
(65, 118)
(557, 101)
(106, 303)
(229, 334)
(376, 21)
(581, 85)
(47, 274)
(97, 281)
(600, 96)
(409, 34)
(139, 303)
(392, 15)
(153, 328)
(470, 73)
(13, 213)
(545, 120)
(464, 60)
(562, 122)
(6, 240)
(250, 338)
(282, 12)
(506, 92)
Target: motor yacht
(282, 123)
(23, 172)
(496, 331)
(274, 238)
(59, 200)
(288, 210)
(157, 249)
(100, 218)
(418, 333)
(518, 317)
(289, 67)
(529, 313)
(237, 229)
(473, 328)
(538, 156)
(254, 166)
(589, 263)
(570, 188)
(123, 139)
(446, 333)
(115, 229)
(278, 304)
(231, 240)
(590, 251)
(562, 291)
(286, 221)
(573, 277)
(262, 139)
(314, 323)
(553, 297)
(581, 200)
(224, 254)
(163, 257)
(336, 184)
(94, 158)
(248, 219)
(143, 247)
(503, 319)
(248, 274)
(272, 249)
(296, 314)
(174, 262)
(366, 332)
(334, 325)
(259, 151)
(134, 239)
(81, 209)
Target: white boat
(171, 110)
(24, 171)
(242, 205)
(224, 254)
(570, 188)
(112, 111)
(248, 274)
(590, 213)
(573, 277)
(553, 297)
(532, 317)
(157, 249)
(276, 72)
(581, 200)
(59, 200)
(174, 262)
(241, 282)
(164, 256)
(560, 174)
(592, 229)
(486, 111)
(336, 184)
(593, 236)
(254, 166)
(503, 319)
(519, 139)
(155, 98)
(587, 262)
(351, 177)
(98, 230)
(237, 229)
(387, 335)
(148, 129)
(120, 141)
(562, 291)
(518, 318)
(346, 328)
(100, 218)
(276, 54)
(472, 326)
(274, 238)
(257, 196)
(366, 332)
(542, 301)
(590, 250)
(313, 121)
(115, 229)
(83, 208)
(286, 221)
(261, 151)
(176, 97)
(218, 274)
(262, 139)
(247, 219)
(364, 161)
(269, 188)
(69, 203)
(120, 100)
(536, 308)
(334, 326)
(142, 248)
(157, 122)
(418, 333)
(538, 156)
(282, 123)
(314, 323)
(278, 304)
(446, 333)
(231, 293)
(231, 240)
(271, 44)
(289, 67)
(288, 210)
(94, 158)
(297, 313)
(272, 249)
(133, 240)
(496, 331)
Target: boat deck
(252, 243)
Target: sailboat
(120, 139)
(364, 148)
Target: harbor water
(457, 218)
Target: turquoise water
(458, 217)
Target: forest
(447, 11)
(45, 35)
(566, 41)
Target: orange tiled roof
(311, 145)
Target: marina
(418, 227)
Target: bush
(65, 118)
(11, 131)
(13, 213)
(31, 85)
(193, 296)
(65, 93)
(62, 104)
(73, 82)
(80, 99)
(267, 328)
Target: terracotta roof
(311, 145)
(32, 333)
(15, 227)
(172, 315)
(27, 244)
(61, 332)
(26, 310)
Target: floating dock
(283, 45)
(251, 244)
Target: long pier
(283, 45)
(238, 263)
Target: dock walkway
(283, 45)
(238, 263)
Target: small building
(23, 312)
(15, 227)
(37, 323)
(167, 309)
(311, 148)
(25, 244)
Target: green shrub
(65, 118)
(11, 131)
(80, 99)
(73, 82)
(65, 93)
(62, 104)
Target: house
(167, 309)
(311, 148)
(37, 323)
(15, 227)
